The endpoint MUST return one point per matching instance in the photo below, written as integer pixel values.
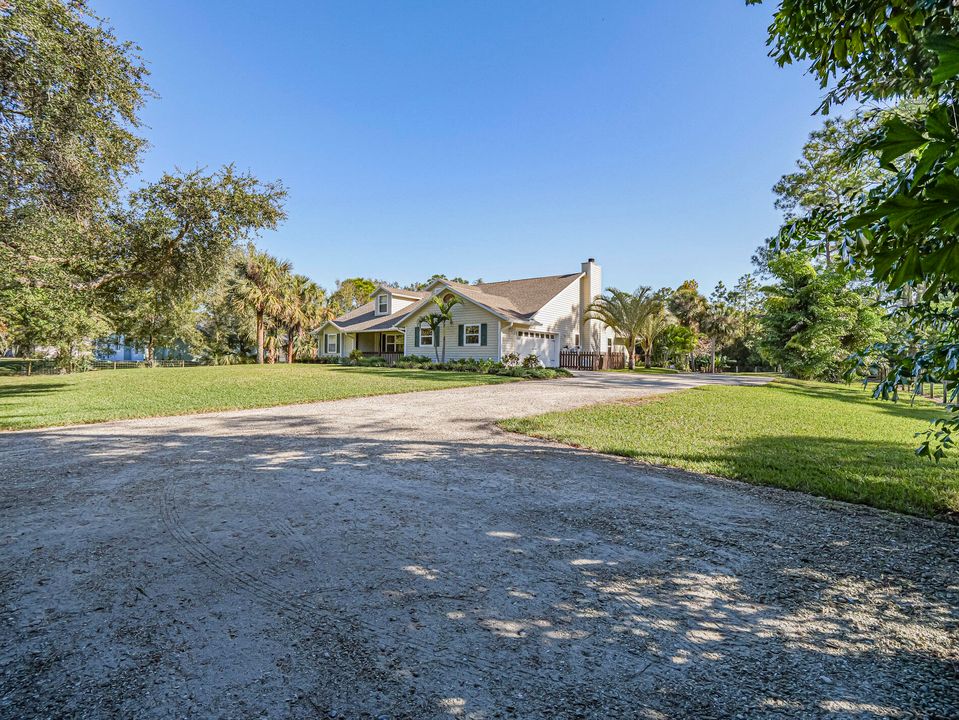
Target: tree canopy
(815, 318)
(904, 231)
(82, 254)
(70, 97)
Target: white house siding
(561, 316)
(509, 340)
(393, 304)
(398, 303)
(464, 313)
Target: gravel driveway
(400, 557)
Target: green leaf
(947, 52)
(910, 266)
(932, 152)
(898, 139)
(944, 261)
(939, 126)
(945, 188)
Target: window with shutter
(471, 334)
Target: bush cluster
(322, 360)
(530, 368)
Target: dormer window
(382, 303)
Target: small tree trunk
(712, 351)
(259, 336)
(648, 356)
(290, 357)
(632, 353)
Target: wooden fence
(572, 360)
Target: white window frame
(327, 344)
(477, 333)
(382, 304)
(426, 328)
(397, 339)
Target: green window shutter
(338, 343)
(416, 336)
(483, 334)
(461, 335)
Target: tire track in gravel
(274, 597)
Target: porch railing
(391, 358)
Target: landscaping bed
(829, 440)
(528, 368)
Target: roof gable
(528, 295)
(476, 298)
(511, 300)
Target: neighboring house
(537, 316)
(115, 349)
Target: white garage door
(543, 345)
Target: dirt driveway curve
(399, 557)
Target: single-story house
(540, 316)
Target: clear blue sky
(484, 139)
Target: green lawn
(41, 401)
(827, 440)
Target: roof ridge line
(538, 277)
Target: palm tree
(719, 324)
(442, 316)
(300, 298)
(626, 313)
(316, 310)
(435, 321)
(650, 331)
(258, 288)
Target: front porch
(388, 344)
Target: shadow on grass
(28, 389)
(855, 394)
(884, 475)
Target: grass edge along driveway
(834, 441)
(80, 398)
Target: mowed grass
(43, 401)
(649, 371)
(827, 440)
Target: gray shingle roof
(517, 300)
(365, 319)
(527, 296)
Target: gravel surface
(400, 557)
